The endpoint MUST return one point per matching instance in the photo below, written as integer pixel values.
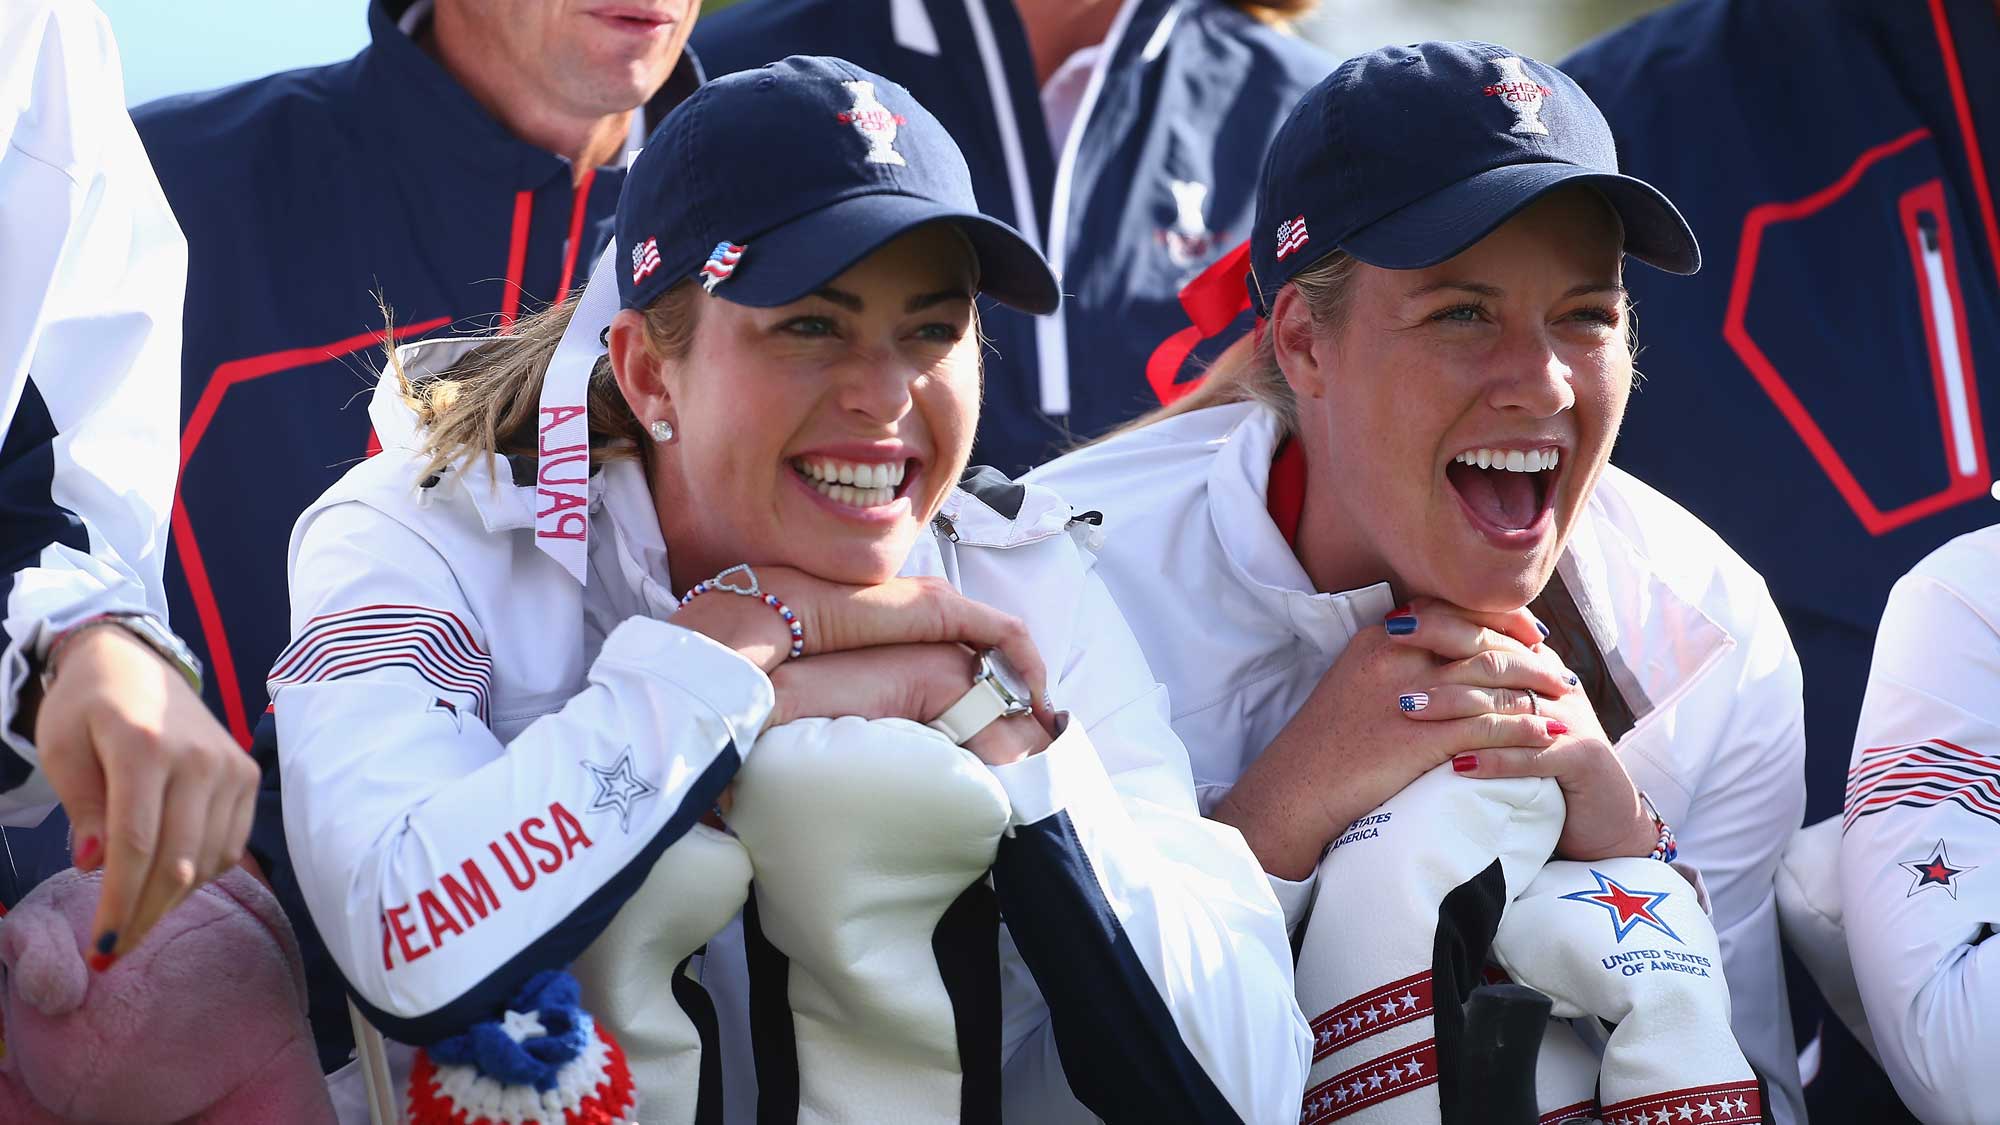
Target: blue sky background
(170, 47)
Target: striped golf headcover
(641, 981)
(1626, 941)
(872, 934)
(1408, 901)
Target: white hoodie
(1690, 643)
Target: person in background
(1920, 851)
(1122, 137)
(1331, 550)
(99, 703)
(462, 167)
(1843, 345)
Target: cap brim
(788, 262)
(1446, 223)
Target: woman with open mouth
(1346, 553)
(683, 580)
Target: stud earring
(662, 430)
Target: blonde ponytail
(485, 403)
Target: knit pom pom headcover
(543, 1062)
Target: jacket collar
(403, 90)
(1637, 634)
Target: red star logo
(1936, 871)
(1629, 908)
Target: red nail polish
(99, 962)
(1558, 727)
(1465, 763)
(1403, 610)
(86, 851)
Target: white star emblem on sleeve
(618, 789)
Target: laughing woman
(518, 688)
(1419, 432)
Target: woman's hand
(1350, 747)
(155, 790)
(840, 618)
(918, 682)
(1496, 678)
(1604, 816)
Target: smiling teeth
(860, 484)
(1512, 460)
(861, 475)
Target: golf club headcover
(872, 935)
(1625, 940)
(1408, 901)
(640, 981)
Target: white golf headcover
(873, 938)
(1625, 940)
(1407, 904)
(638, 981)
(1565, 1076)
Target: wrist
(1009, 740)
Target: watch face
(1007, 680)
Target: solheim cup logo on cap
(1291, 236)
(645, 259)
(721, 263)
(875, 122)
(1522, 94)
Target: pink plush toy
(203, 1024)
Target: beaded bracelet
(752, 590)
(1664, 849)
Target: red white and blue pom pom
(544, 1062)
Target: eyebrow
(852, 303)
(1494, 291)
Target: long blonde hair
(485, 403)
(1247, 371)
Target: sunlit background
(200, 44)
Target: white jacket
(1920, 851)
(1687, 633)
(92, 271)
(450, 691)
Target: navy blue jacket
(303, 195)
(1161, 182)
(1826, 392)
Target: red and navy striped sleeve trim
(433, 643)
(1922, 775)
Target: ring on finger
(1534, 702)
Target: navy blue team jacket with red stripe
(1158, 182)
(1825, 394)
(304, 195)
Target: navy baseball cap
(1406, 156)
(766, 184)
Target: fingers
(1456, 634)
(1538, 671)
(1462, 701)
(1506, 761)
(1481, 732)
(178, 861)
(135, 790)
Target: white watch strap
(975, 710)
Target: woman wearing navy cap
(1345, 553)
(701, 539)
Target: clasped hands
(1436, 683)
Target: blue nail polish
(107, 941)
(1544, 628)
(1571, 677)
(1402, 626)
(1415, 701)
